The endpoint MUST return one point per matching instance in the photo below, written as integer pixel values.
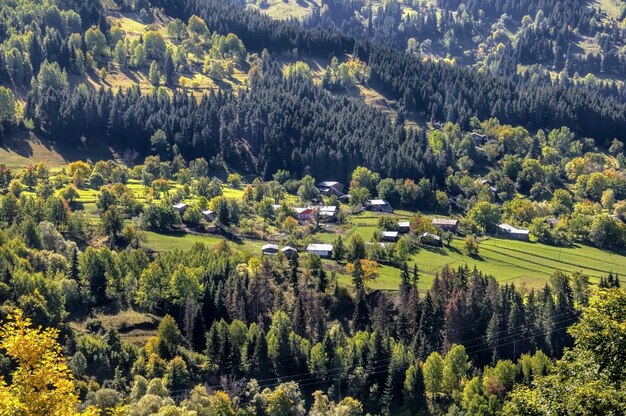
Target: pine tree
(154, 75)
(415, 390)
(493, 337)
(361, 315)
(394, 384)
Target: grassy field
(528, 264)
(290, 9)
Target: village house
(378, 205)
(509, 232)
(404, 226)
(329, 188)
(209, 215)
(328, 212)
(289, 251)
(181, 207)
(446, 224)
(430, 239)
(322, 250)
(389, 236)
(303, 214)
(269, 249)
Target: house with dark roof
(269, 249)
(329, 188)
(289, 251)
(209, 215)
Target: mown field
(525, 264)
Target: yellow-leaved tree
(42, 384)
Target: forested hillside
(384, 208)
(547, 39)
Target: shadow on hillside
(23, 143)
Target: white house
(378, 205)
(270, 249)
(322, 250)
(303, 214)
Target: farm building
(289, 251)
(378, 205)
(181, 207)
(512, 233)
(269, 249)
(430, 239)
(328, 212)
(330, 188)
(322, 250)
(446, 224)
(404, 227)
(209, 215)
(390, 236)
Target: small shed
(209, 215)
(269, 249)
(430, 239)
(404, 226)
(289, 251)
(181, 207)
(390, 236)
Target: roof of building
(288, 248)
(208, 212)
(404, 224)
(328, 184)
(180, 205)
(430, 235)
(300, 210)
(320, 247)
(272, 247)
(390, 233)
(445, 221)
(378, 202)
(510, 229)
(328, 208)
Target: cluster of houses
(322, 250)
(326, 212)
